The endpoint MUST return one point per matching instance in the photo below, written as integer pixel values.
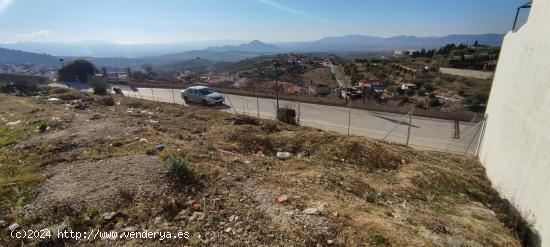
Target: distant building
(377, 86)
(407, 86)
(319, 89)
(401, 53)
(215, 79)
(289, 88)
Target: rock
(54, 100)
(283, 155)
(198, 216)
(329, 241)
(109, 216)
(13, 227)
(27, 207)
(59, 228)
(315, 210)
(182, 214)
(129, 229)
(13, 123)
(157, 220)
(282, 198)
(247, 162)
(228, 229)
(3, 223)
(196, 206)
(143, 140)
(233, 218)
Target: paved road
(338, 76)
(426, 133)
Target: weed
(370, 196)
(378, 238)
(99, 87)
(42, 126)
(108, 101)
(179, 171)
(9, 136)
(209, 145)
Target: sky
(169, 21)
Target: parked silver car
(202, 95)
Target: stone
(315, 210)
(182, 214)
(13, 227)
(198, 216)
(283, 155)
(228, 229)
(13, 123)
(233, 218)
(329, 241)
(282, 198)
(143, 140)
(157, 220)
(109, 215)
(129, 229)
(3, 223)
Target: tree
(78, 70)
(149, 70)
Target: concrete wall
(515, 147)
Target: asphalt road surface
(425, 133)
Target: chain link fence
(407, 129)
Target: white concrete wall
(516, 144)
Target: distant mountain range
(135, 55)
(372, 44)
(253, 46)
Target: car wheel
(204, 102)
(186, 100)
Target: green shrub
(108, 101)
(99, 87)
(179, 171)
(434, 102)
(42, 126)
(378, 238)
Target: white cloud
(293, 11)
(38, 35)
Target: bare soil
(340, 190)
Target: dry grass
(372, 193)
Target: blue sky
(154, 21)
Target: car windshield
(205, 91)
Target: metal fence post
(258, 106)
(173, 97)
(410, 122)
(349, 114)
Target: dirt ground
(96, 168)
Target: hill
(8, 56)
(253, 46)
(219, 179)
(370, 43)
